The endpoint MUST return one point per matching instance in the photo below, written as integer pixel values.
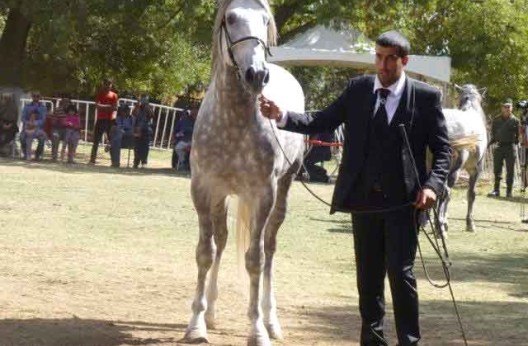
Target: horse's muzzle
(257, 79)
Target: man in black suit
(377, 182)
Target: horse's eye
(231, 19)
(266, 20)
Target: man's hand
(269, 109)
(426, 199)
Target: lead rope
(444, 259)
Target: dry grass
(91, 255)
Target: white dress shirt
(391, 105)
(393, 99)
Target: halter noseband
(232, 44)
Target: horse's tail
(242, 233)
(469, 142)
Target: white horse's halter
(232, 44)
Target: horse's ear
(458, 87)
(483, 91)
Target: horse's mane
(474, 98)
(217, 30)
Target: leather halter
(232, 44)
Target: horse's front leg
(269, 303)
(443, 201)
(197, 330)
(255, 257)
(219, 211)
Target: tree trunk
(284, 13)
(12, 47)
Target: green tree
(71, 45)
(163, 46)
(485, 39)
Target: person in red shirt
(106, 105)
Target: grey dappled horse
(466, 127)
(235, 151)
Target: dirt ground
(93, 256)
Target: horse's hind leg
(473, 178)
(219, 216)
(197, 330)
(269, 303)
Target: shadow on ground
(506, 268)
(81, 332)
(484, 323)
(83, 168)
(338, 225)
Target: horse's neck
(480, 111)
(234, 103)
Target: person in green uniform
(504, 132)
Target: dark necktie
(381, 113)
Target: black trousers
(504, 153)
(101, 126)
(141, 151)
(385, 243)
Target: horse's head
(470, 97)
(244, 29)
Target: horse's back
(467, 129)
(284, 89)
(464, 123)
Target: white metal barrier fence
(163, 121)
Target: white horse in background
(236, 151)
(466, 127)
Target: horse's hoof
(259, 341)
(195, 336)
(210, 321)
(274, 331)
(470, 229)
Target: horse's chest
(235, 157)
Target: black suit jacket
(419, 110)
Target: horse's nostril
(257, 78)
(266, 77)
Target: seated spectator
(8, 131)
(121, 134)
(8, 126)
(318, 153)
(32, 129)
(72, 131)
(56, 129)
(143, 130)
(40, 112)
(183, 131)
(182, 138)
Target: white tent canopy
(324, 46)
